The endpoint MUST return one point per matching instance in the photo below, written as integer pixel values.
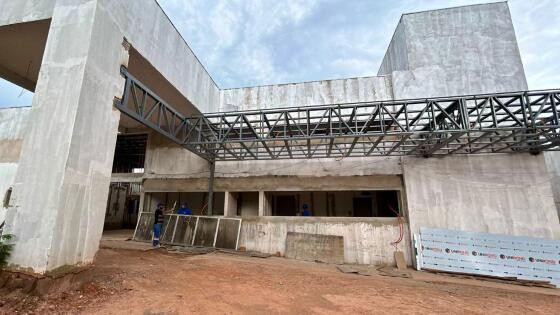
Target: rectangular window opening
(196, 202)
(130, 153)
(375, 203)
(247, 203)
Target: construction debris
(244, 253)
(366, 270)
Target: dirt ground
(136, 281)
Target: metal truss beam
(492, 123)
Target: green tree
(5, 248)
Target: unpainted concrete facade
(12, 129)
(72, 121)
(456, 51)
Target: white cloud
(230, 37)
(536, 25)
(255, 42)
(262, 42)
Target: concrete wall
(350, 90)
(458, 51)
(165, 159)
(116, 204)
(366, 240)
(455, 51)
(150, 32)
(507, 194)
(396, 56)
(122, 197)
(552, 160)
(20, 11)
(74, 123)
(61, 185)
(13, 122)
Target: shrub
(5, 248)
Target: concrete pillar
(264, 205)
(230, 204)
(62, 181)
(142, 198)
(211, 189)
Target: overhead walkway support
(524, 121)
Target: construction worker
(184, 209)
(306, 211)
(158, 223)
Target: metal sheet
(144, 227)
(489, 254)
(189, 230)
(227, 234)
(185, 230)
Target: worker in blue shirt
(306, 210)
(184, 209)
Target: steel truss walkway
(490, 123)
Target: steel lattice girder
(490, 123)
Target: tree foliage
(5, 248)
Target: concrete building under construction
(124, 117)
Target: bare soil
(132, 281)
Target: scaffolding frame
(525, 121)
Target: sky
(257, 42)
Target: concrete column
(264, 205)
(211, 188)
(62, 181)
(230, 204)
(141, 203)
